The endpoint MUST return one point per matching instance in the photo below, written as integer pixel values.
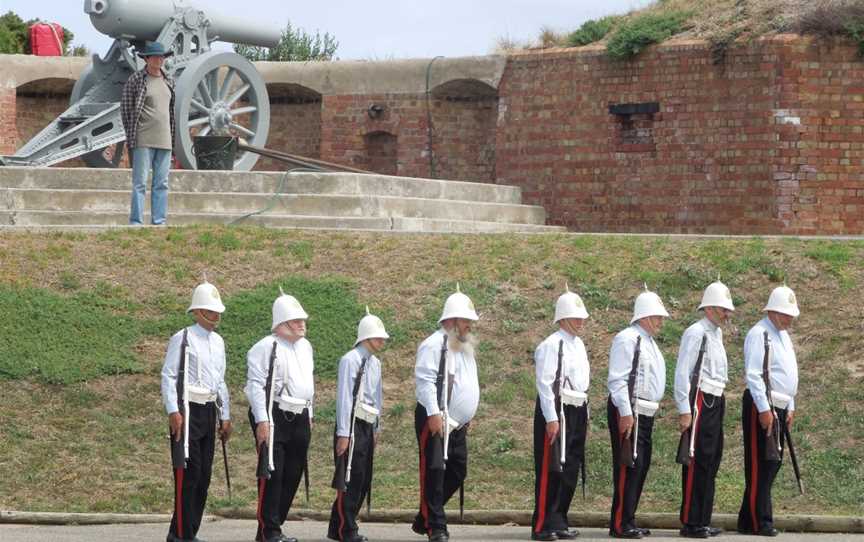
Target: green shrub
(592, 31)
(637, 33)
(855, 29)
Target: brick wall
(295, 128)
(8, 113)
(34, 112)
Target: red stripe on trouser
(178, 502)
(622, 481)
(424, 509)
(754, 467)
(544, 483)
(260, 514)
(340, 504)
(688, 493)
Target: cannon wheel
(217, 92)
(110, 156)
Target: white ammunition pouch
(712, 387)
(573, 397)
(200, 395)
(291, 404)
(452, 425)
(780, 400)
(645, 407)
(367, 413)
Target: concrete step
(83, 220)
(81, 179)
(106, 201)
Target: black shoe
(543, 535)
(714, 531)
(644, 531)
(768, 531)
(567, 534)
(419, 529)
(439, 535)
(689, 531)
(627, 533)
(356, 538)
(281, 538)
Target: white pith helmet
(648, 304)
(717, 294)
(569, 305)
(783, 300)
(370, 327)
(206, 296)
(458, 305)
(285, 308)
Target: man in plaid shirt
(147, 110)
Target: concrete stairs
(68, 198)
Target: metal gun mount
(215, 92)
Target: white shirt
(463, 372)
(370, 391)
(293, 370)
(651, 377)
(575, 371)
(782, 364)
(714, 362)
(206, 367)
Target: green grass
(592, 31)
(638, 32)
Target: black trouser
(438, 482)
(290, 445)
(697, 480)
(759, 474)
(628, 481)
(346, 507)
(191, 484)
(553, 485)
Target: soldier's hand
(766, 420)
(436, 424)
(789, 416)
(625, 426)
(225, 430)
(175, 425)
(341, 445)
(684, 422)
(262, 432)
(552, 429)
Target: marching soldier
(280, 389)
(560, 419)
(448, 393)
(700, 378)
(771, 372)
(358, 407)
(194, 394)
(637, 379)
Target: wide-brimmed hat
(154, 48)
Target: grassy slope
(83, 443)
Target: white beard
(465, 344)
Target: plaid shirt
(132, 103)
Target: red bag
(46, 39)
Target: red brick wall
(8, 113)
(294, 128)
(35, 112)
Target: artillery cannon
(215, 91)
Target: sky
(373, 29)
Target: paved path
(315, 531)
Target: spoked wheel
(219, 93)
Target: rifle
(687, 444)
(354, 395)
(773, 444)
(628, 454)
(224, 450)
(442, 384)
(557, 464)
(265, 463)
(180, 449)
(794, 458)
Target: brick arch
(381, 152)
(37, 103)
(464, 89)
(295, 123)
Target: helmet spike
(567, 287)
(367, 309)
(458, 291)
(281, 291)
(204, 276)
(645, 285)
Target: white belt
(646, 408)
(780, 400)
(200, 395)
(367, 413)
(292, 404)
(452, 425)
(712, 387)
(573, 397)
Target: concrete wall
(771, 140)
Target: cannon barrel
(144, 20)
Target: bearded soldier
(771, 373)
(637, 379)
(448, 393)
(358, 409)
(700, 378)
(560, 420)
(280, 389)
(194, 394)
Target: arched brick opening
(381, 152)
(295, 123)
(38, 103)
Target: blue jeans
(143, 160)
